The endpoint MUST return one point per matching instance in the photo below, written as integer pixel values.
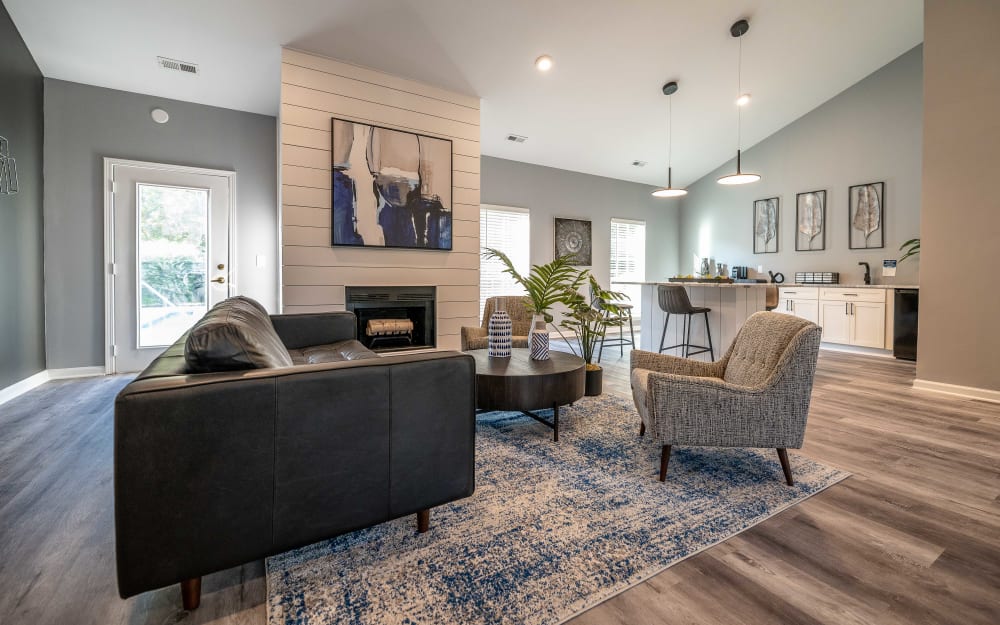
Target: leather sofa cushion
(334, 352)
(235, 334)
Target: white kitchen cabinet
(853, 316)
(799, 301)
(836, 321)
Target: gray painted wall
(551, 193)
(870, 132)
(22, 335)
(958, 334)
(84, 124)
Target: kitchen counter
(850, 286)
(707, 283)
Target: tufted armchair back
(516, 307)
(767, 343)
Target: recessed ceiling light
(543, 63)
(160, 116)
(743, 100)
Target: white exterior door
(169, 260)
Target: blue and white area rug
(552, 530)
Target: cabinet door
(868, 325)
(807, 309)
(836, 321)
(784, 306)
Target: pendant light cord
(670, 131)
(739, 92)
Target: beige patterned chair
(516, 307)
(756, 396)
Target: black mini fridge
(904, 324)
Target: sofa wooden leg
(664, 460)
(423, 521)
(191, 593)
(787, 468)
(642, 429)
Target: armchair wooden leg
(642, 428)
(664, 460)
(785, 466)
(191, 593)
(423, 521)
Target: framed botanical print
(765, 226)
(866, 216)
(573, 238)
(810, 221)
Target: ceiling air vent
(177, 66)
(516, 138)
(638, 163)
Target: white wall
(549, 193)
(871, 132)
(315, 89)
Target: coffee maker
(740, 272)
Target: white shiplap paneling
(315, 89)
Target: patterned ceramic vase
(500, 329)
(539, 339)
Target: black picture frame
(766, 220)
(863, 226)
(804, 242)
(574, 237)
(437, 208)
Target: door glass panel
(173, 261)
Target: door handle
(220, 280)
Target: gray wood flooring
(912, 537)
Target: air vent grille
(638, 163)
(177, 66)
(516, 138)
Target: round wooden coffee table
(522, 384)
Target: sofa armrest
(665, 363)
(308, 329)
(469, 333)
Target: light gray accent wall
(84, 124)
(22, 335)
(959, 304)
(549, 193)
(871, 132)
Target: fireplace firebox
(394, 318)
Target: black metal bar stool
(624, 312)
(674, 301)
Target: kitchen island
(731, 304)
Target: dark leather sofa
(253, 435)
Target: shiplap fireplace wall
(313, 90)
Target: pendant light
(737, 30)
(670, 89)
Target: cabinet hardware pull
(850, 294)
(847, 308)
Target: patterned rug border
(750, 526)
(599, 596)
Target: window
(628, 258)
(505, 229)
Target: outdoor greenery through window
(628, 258)
(505, 229)
(173, 261)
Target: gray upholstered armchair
(756, 396)
(516, 307)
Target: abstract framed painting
(765, 226)
(391, 188)
(573, 238)
(810, 221)
(866, 216)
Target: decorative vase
(499, 329)
(539, 339)
(594, 382)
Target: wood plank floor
(912, 537)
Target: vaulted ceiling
(599, 109)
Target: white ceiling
(599, 109)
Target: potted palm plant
(590, 324)
(545, 284)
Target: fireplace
(394, 318)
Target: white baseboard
(852, 349)
(20, 388)
(971, 392)
(75, 372)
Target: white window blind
(628, 258)
(505, 229)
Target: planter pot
(539, 339)
(595, 382)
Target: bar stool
(625, 312)
(674, 301)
